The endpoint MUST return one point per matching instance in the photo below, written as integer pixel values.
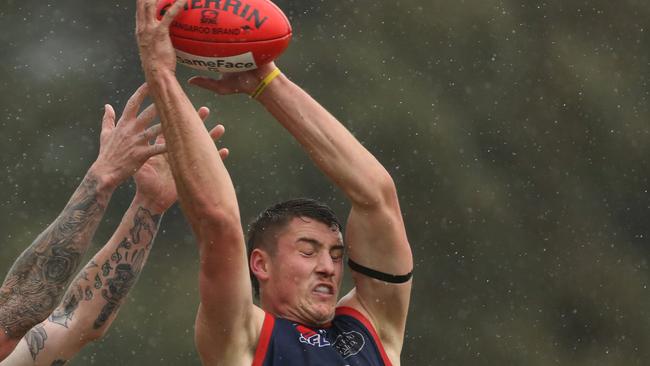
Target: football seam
(208, 41)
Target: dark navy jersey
(350, 340)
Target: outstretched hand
(234, 82)
(154, 179)
(124, 146)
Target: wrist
(154, 60)
(105, 181)
(271, 90)
(251, 79)
(158, 74)
(262, 70)
(99, 185)
(153, 204)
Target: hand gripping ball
(227, 35)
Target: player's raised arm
(227, 323)
(36, 282)
(375, 234)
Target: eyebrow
(318, 244)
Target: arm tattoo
(127, 267)
(35, 339)
(144, 226)
(38, 278)
(78, 291)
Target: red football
(227, 35)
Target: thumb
(108, 120)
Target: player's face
(305, 273)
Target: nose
(325, 266)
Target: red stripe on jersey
(345, 310)
(265, 337)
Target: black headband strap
(379, 275)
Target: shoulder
(356, 331)
(380, 328)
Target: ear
(260, 265)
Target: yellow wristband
(265, 82)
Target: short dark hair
(265, 227)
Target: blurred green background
(517, 132)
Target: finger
(210, 84)
(147, 116)
(135, 101)
(108, 120)
(149, 12)
(223, 153)
(217, 132)
(172, 12)
(204, 112)
(156, 149)
(140, 18)
(152, 132)
(160, 139)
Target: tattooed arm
(39, 277)
(93, 299)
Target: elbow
(217, 224)
(387, 191)
(210, 215)
(220, 236)
(212, 222)
(380, 192)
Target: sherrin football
(227, 35)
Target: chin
(323, 316)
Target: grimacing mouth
(324, 288)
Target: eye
(307, 252)
(336, 254)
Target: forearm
(202, 180)
(37, 280)
(93, 299)
(329, 144)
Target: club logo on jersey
(311, 337)
(349, 343)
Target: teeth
(323, 289)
